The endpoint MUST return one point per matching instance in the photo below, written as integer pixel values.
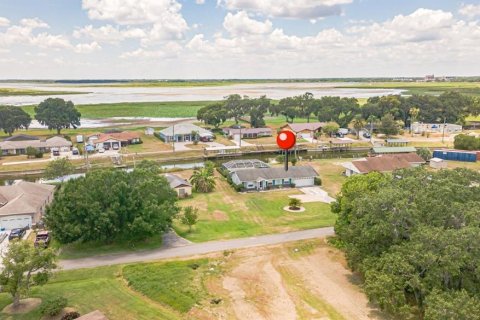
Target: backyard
(226, 214)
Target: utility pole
(173, 144)
(443, 131)
(240, 141)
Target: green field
(435, 88)
(5, 92)
(181, 109)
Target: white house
(271, 178)
(183, 133)
(23, 204)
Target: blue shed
(456, 155)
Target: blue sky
(237, 38)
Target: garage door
(304, 182)
(13, 222)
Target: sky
(225, 39)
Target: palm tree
(203, 180)
(358, 123)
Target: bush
(318, 181)
(53, 306)
(71, 315)
(38, 154)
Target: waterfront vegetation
(180, 109)
(5, 92)
(433, 88)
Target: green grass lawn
(181, 109)
(178, 284)
(5, 92)
(226, 214)
(91, 289)
(81, 250)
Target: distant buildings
(23, 204)
(307, 129)
(448, 128)
(114, 140)
(248, 133)
(18, 144)
(185, 133)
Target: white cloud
(108, 33)
(4, 22)
(470, 10)
(169, 50)
(240, 23)
(199, 1)
(49, 41)
(87, 47)
(34, 23)
(299, 9)
(160, 20)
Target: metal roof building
(236, 165)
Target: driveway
(185, 249)
(313, 194)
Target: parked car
(366, 134)
(115, 147)
(42, 239)
(101, 150)
(17, 233)
(75, 152)
(56, 152)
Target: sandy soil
(301, 281)
(26, 305)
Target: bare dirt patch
(220, 216)
(25, 306)
(306, 280)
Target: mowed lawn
(91, 289)
(226, 214)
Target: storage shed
(437, 163)
(456, 155)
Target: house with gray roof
(271, 178)
(180, 185)
(184, 133)
(18, 144)
(23, 203)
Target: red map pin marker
(286, 140)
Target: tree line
(54, 113)
(414, 237)
(451, 107)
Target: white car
(101, 150)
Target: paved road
(194, 249)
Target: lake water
(96, 95)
